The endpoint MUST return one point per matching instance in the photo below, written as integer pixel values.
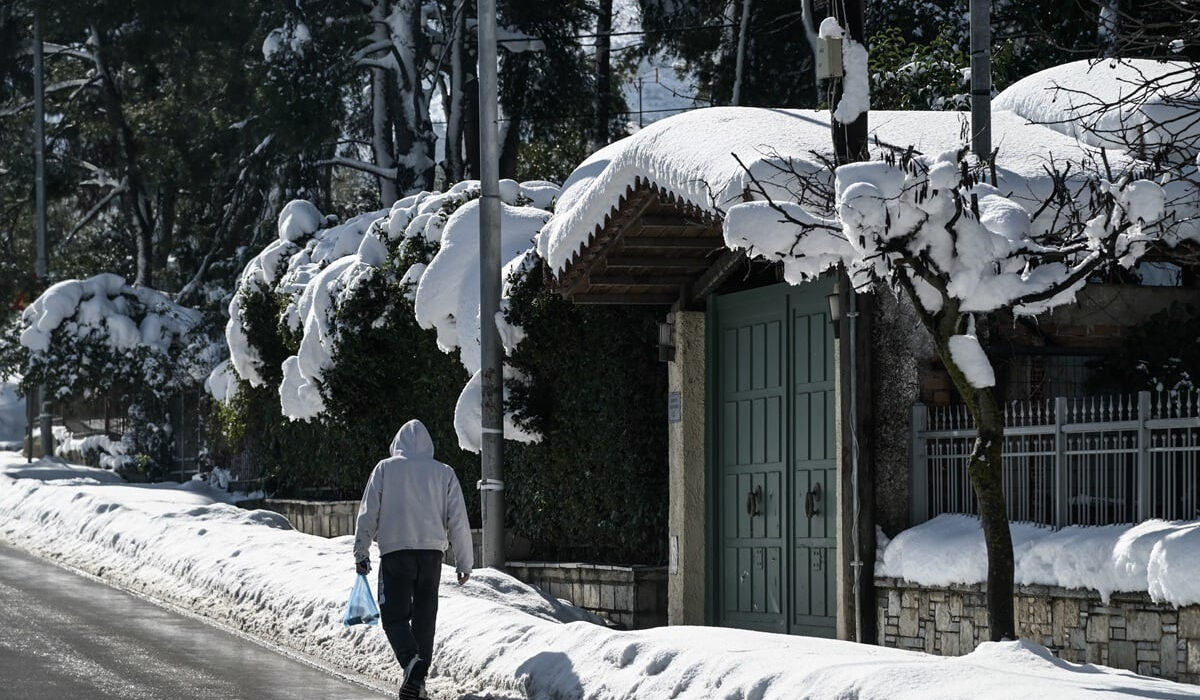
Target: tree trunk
(382, 105)
(455, 101)
(986, 470)
(412, 128)
(164, 235)
(471, 126)
(603, 74)
(135, 200)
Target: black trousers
(408, 602)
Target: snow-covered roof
(1128, 103)
(692, 157)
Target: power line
(640, 32)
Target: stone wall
(320, 518)
(629, 597)
(1130, 631)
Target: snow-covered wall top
(1158, 557)
(788, 150)
(1128, 103)
(104, 306)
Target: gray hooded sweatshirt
(413, 501)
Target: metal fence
(1089, 461)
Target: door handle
(754, 502)
(811, 499)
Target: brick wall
(1130, 631)
(628, 597)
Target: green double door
(774, 459)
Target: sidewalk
(497, 637)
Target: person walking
(413, 506)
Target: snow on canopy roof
(1125, 103)
(691, 156)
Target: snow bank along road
(65, 636)
(497, 638)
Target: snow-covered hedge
(314, 272)
(100, 337)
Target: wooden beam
(650, 262)
(639, 281)
(674, 242)
(718, 273)
(636, 201)
(630, 299)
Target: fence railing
(1089, 461)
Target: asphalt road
(66, 636)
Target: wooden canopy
(652, 249)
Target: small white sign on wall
(673, 559)
(674, 407)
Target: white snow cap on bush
(321, 268)
(105, 306)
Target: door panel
(774, 442)
(814, 467)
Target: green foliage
(1161, 354)
(386, 370)
(595, 487)
(908, 75)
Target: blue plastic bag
(361, 610)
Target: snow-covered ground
(1156, 557)
(496, 636)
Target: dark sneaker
(410, 690)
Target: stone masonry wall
(1130, 631)
(320, 518)
(629, 597)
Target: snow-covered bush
(328, 319)
(341, 332)
(591, 384)
(101, 337)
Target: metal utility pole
(981, 79)
(491, 373)
(39, 160)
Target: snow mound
(1157, 557)
(496, 635)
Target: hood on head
(412, 441)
